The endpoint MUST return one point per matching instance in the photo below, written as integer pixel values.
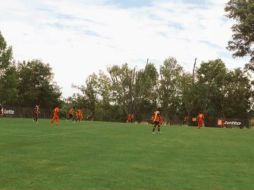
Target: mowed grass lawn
(100, 155)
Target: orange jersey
(56, 111)
(79, 114)
(156, 117)
(130, 117)
(201, 118)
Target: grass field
(100, 155)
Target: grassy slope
(97, 155)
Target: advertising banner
(230, 123)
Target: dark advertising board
(230, 123)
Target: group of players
(74, 115)
(157, 120)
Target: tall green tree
(187, 93)
(146, 92)
(5, 55)
(36, 85)
(122, 87)
(242, 11)
(169, 90)
(238, 95)
(8, 75)
(209, 89)
(88, 98)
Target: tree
(209, 89)
(238, 94)
(91, 93)
(122, 87)
(8, 86)
(146, 96)
(36, 86)
(219, 92)
(5, 55)
(187, 95)
(170, 91)
(242, 11)
(88, 98)
(8, 83)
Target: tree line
(113, 94)
(214, 89)
(110, 95)
(26, 83)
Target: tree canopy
(242, 44)
(217, 91)
(35, 85)
(8, 77)
(26, 83)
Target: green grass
(100, 155)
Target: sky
(81, 37)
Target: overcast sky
(79, 37)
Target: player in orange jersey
(130, 118)
(200, 120)
(55, 116)
(157, 121)
(79, 115)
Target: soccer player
(200, 119)
(79, 115)
(130, 118)
(71, 113)
(36, 113)
(156, 121)
(55, 116)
